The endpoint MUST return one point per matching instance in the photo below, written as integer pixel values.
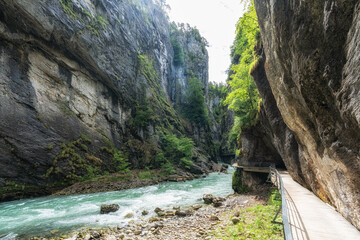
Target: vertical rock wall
(74, 75)
(312, 64)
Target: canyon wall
(311, 112)
(82, 78)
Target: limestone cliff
(310, 116)
(81, 78)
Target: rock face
(312, 66)
(108, 208)
(81, 78)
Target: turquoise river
(39, 216)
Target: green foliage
(195, 109)
(64, 108)
(164, 112)
(219, 91)
(178, 52)
(237, 184)
(177, 151)
(93, 23)
(143, 114)
(121, 162)
(101, 21)
(244, 97)
(255, 223)
(70, 163)
(168, 168)
(145, 175)
(68, 8)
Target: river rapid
(41, 216)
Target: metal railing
(278, 182)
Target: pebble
(202, 224)
(214, 218)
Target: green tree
(195, 108)
(178, 150)
(244, 97)
(178, 52)
(121, 162)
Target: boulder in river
(157, 210)
(129, 215)
(108, 208)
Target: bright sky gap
(216, 21)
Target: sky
(216, 21)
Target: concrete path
(312, 219)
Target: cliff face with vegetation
(94, 87)
(309, 83)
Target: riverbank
(132, 179)
(65, 214)
(236, 218)
(111, 182)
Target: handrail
(280, 184)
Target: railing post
(286, 224)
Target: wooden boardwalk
(312, 219)
(250, 168)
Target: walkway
(254, 167)
(312, 219)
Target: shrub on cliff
(237, 185)
(178, 52)
(176, 151)
(121, 162)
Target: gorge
(112, 93)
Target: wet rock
(144, 213)
(158, 210)
(196, 207)
(137, 232)
(129, 215)
(108, 208)
(161, 213)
